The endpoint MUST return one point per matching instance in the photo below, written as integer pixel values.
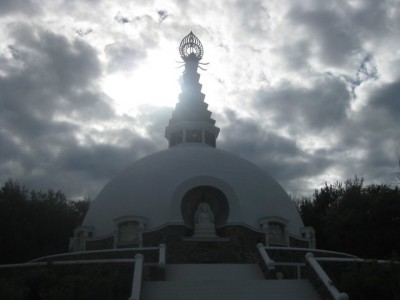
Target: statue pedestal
(216, 238)
(205, 232)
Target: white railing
(309, 250)
(138, 260)
(137, 278)
(94, 252)
(357, 260)
(69, 262)
(269, 263)
(325, 278)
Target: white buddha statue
(204, 224)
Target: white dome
(154, 186)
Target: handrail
(362, 260)
(69, 262)
(269, 263)
(95, 251)
(137, 278)
(308, 250)
(138, 260)
(325, 278)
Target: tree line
(348, 217)
(353, 218)
(35, 223)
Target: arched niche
(275, 229)
(215, 198)
(128, 231)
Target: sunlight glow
(153, 82)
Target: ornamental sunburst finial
(191, 48)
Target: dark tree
(349, 217)
(36, 223)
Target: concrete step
(229, 290)
(190, 272)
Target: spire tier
(191, 121)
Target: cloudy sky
(308, 90)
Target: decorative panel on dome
(276, 233)
(275, 229)
(129, 231)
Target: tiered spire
(191, 122)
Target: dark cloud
(278, 155)
(103, 161)
(320, 106)
(309, 72)
(155, 119)
(374, 18)
(121, 19)
(51, 58)
(327, 31)
(388, 98)
(26, 7)
(295, 55)
(9, 146)
(366, 142)
(251, 19)
(366, 71)
(16, 54)
(55, 77)
(84, 32)
(163, 14)
(63, 154)
(50, 102)
(124, 55)
(248, 138)
(88, 104)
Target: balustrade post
(137, 277)
(269, 263)
(325, 278)
(161, 255)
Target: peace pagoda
(187, 223)
(192, 192)
(220, 223)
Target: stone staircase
(223, 281)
